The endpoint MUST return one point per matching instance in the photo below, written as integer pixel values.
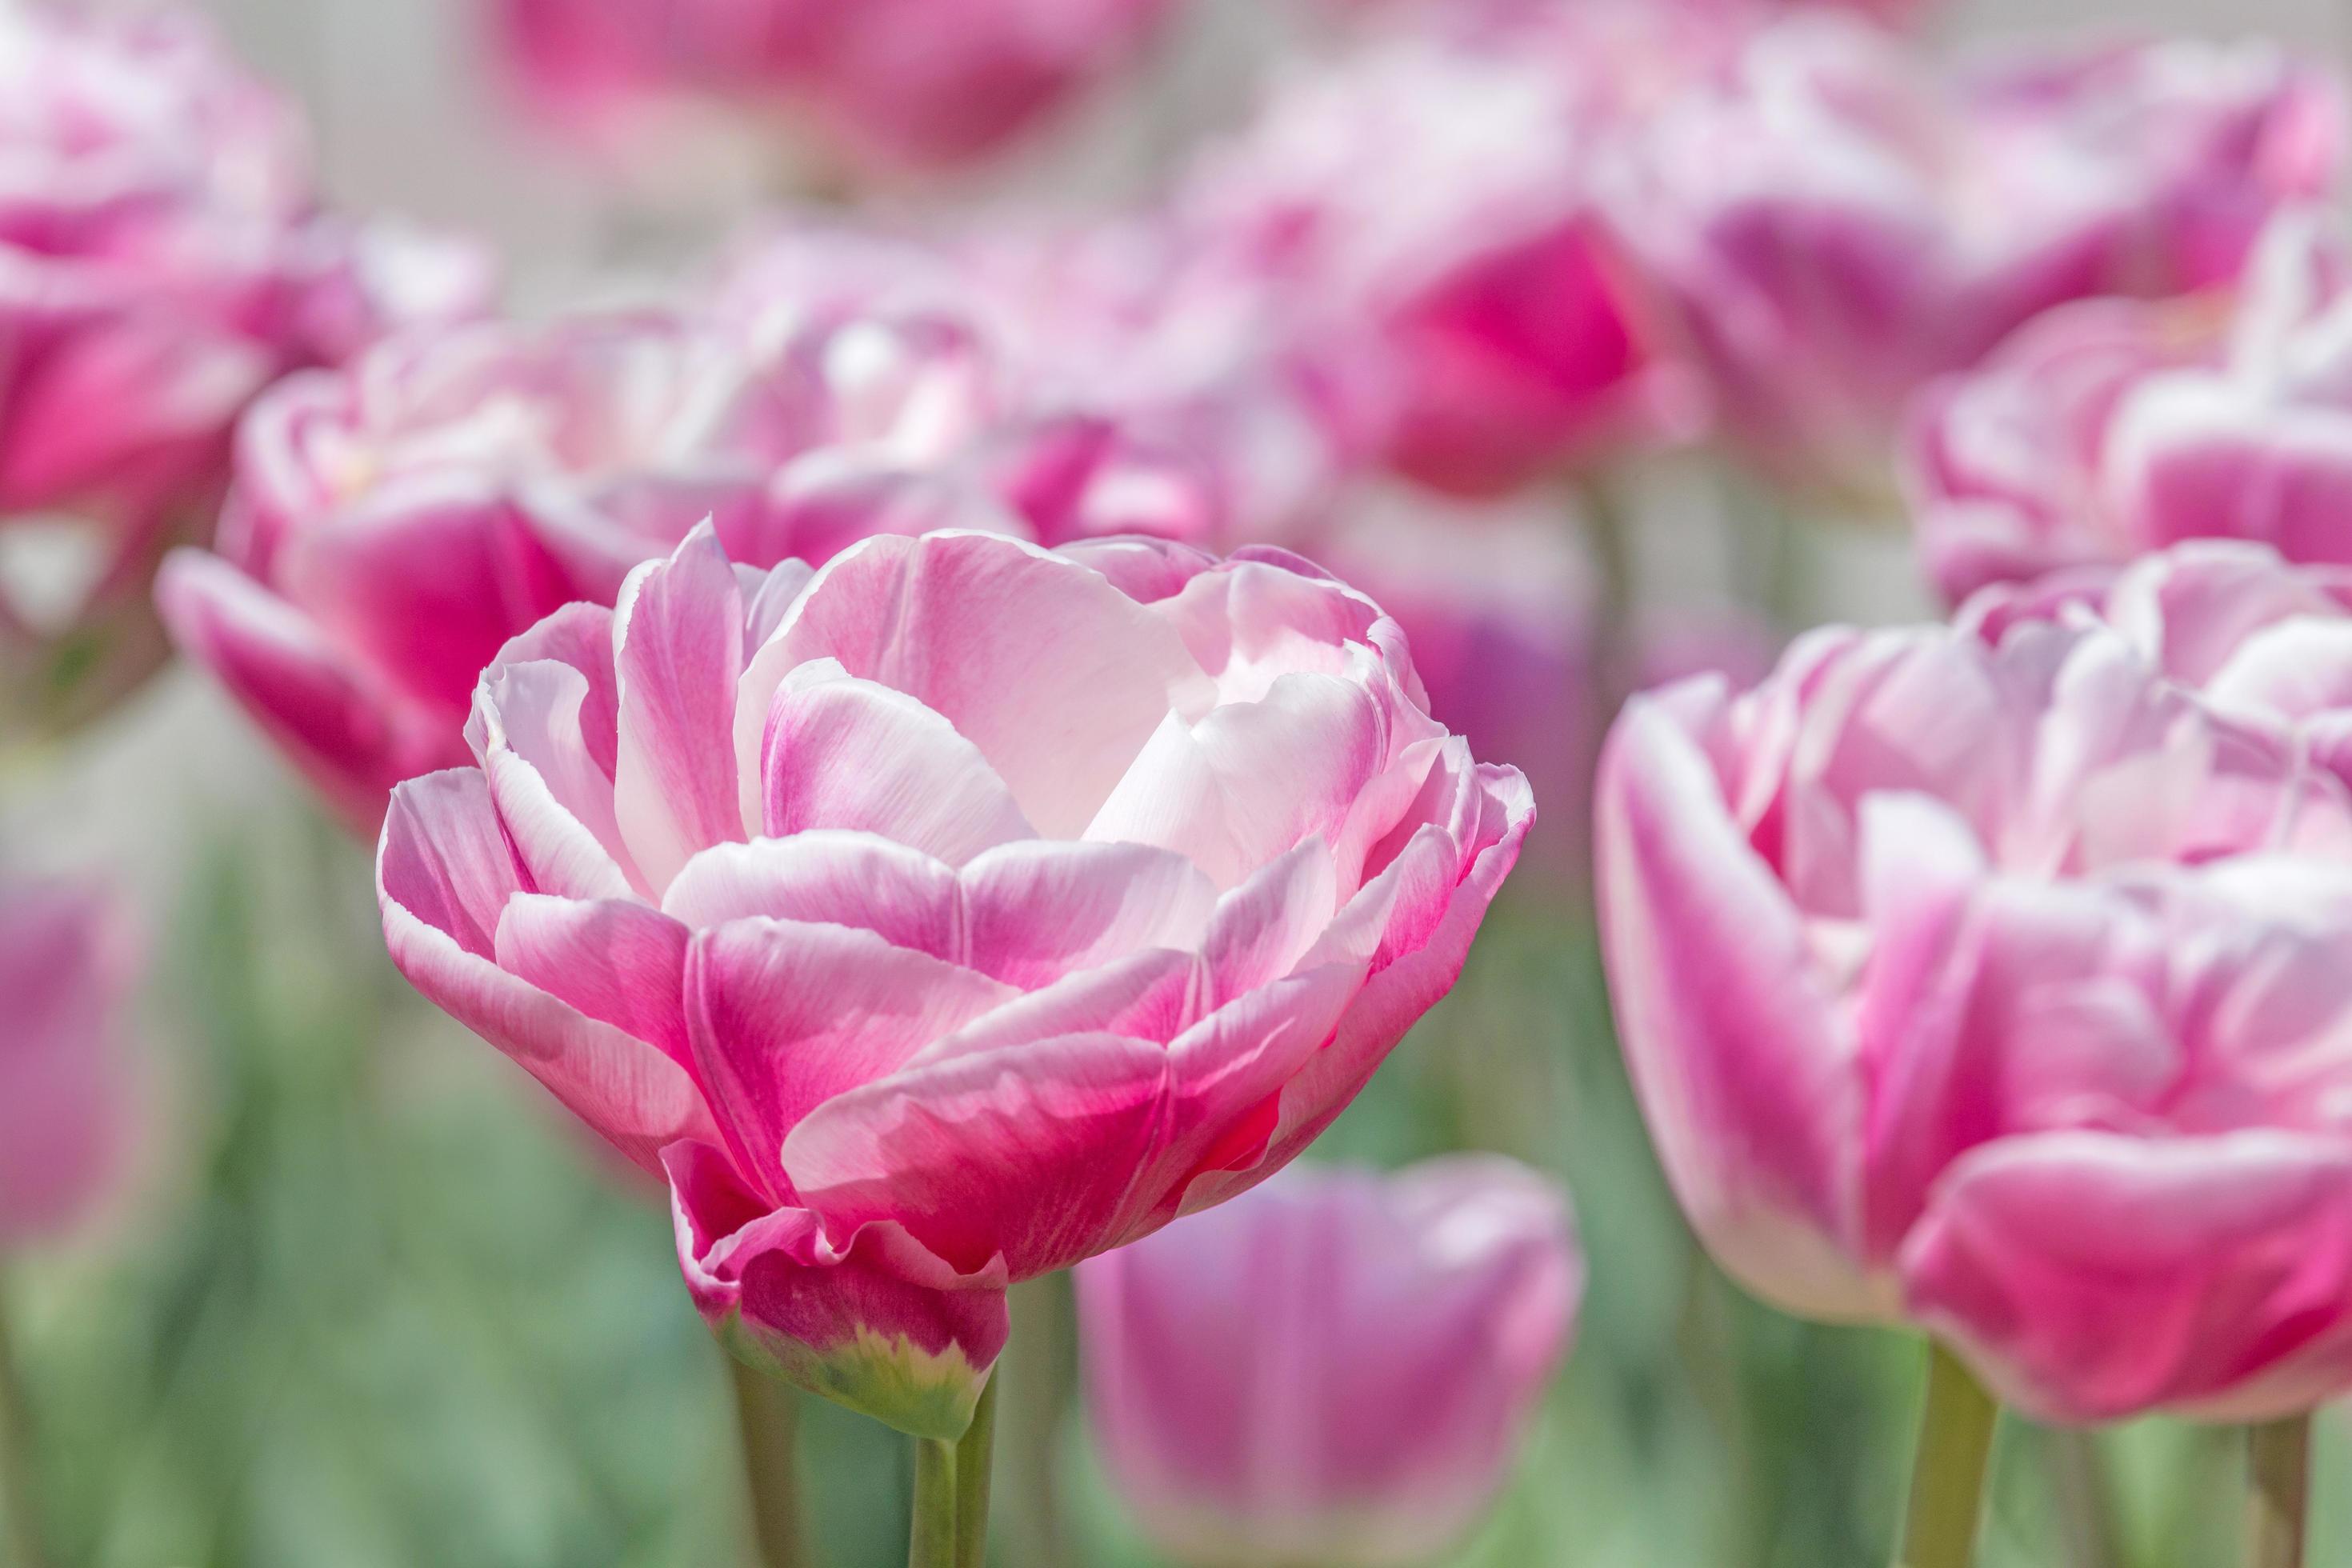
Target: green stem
(20, 1513)
(1947, 1474)
(1041, 1364)
(973, 1467)
(769, 1421)
(2278, 1490)
(931, 1534)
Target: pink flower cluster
(948, 915)
(162, 257)
(1839, 225)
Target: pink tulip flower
(1996, 977)
(1840, 226)
(893, 85)
(948, 916)
(1337, 1368)
(67, 962)
(394, 523)
(2107, 429)
(1429, 215)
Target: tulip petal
(679, 641)
(842, 753)
(1033, 912)
(1059, 712)
(1749, 1080)
(2229, 1258)
(784, 1016)
(443, 874)
(879, 1325)
(615, 959)
(1026, 1152)
(351, 736)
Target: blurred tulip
(1841, 225)
(161, 260)
(2108, 429)
(66, 961)
(1337, 1368)
(1424, 219)
(1996, 977)
(948, 917)
(395, 522)
(894, 85)
(1497, 601)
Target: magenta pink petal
(786, 1016)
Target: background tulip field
(1602, 342)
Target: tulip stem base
(21, 1537)
(2278, 1491)
(1948, 1475)
(950, 1528)
(768, 1417)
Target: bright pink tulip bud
(958, 913)
(67, 962)
(1428, 216)
(2107, 429)
(1337, 1368)
(394, 523)
(1841, 225)
(1999, 977)
(897, 84)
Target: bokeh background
(367, 1299)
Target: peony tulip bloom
(1840, 226)
(2107, 429)
(1996, 977)
(1337, 1368)
(1425, 223)
(66, 968)
(895, 85)
(948, 916)
(394, 523)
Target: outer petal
(351, 736)
(2093, 1277)
(879, 1325)
(1432, 899)
(1025, 1153)
(1749, 1079)
(784, 1016)
(443, 875)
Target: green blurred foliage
(377, 1303)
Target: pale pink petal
(678, 642)
(1059, 712)
(851, 754)
(439, 876)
